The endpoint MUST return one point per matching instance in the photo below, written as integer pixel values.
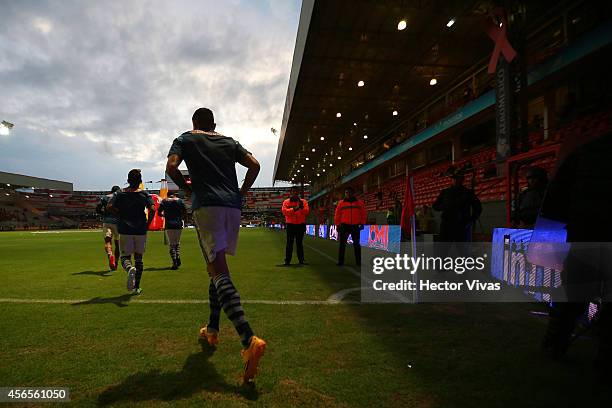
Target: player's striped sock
(215, 306)
(139, 268)
(126, 262)
(173, 252)
(177, 251)
(230, 299)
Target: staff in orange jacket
(295, 210)
(349, 218)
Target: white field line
(168, 301)
(337, 297)
(65, 231)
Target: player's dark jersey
(211, 160)
(107, 216)
(172, 210)
(131, 206)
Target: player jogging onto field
(109, 228)
(211, 161)
(130, 205)
(174, 211)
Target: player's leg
(127, 245)
(210, 332)
(200, 219)
(218, 229)
(139, 250)
(108, 248)
(229, 298)
(173, 244)
(178, 246)
(117, 252)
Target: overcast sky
(96, 88)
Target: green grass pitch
(65, 321)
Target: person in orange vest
(295, 210)
(350, 218)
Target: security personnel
(295, 210)
(460, 209)
(350, 218)
(529, 200)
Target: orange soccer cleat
(251, 356)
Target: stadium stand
(566, 103)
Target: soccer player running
(295, 210)
(216, 202)
(350, 218)
(130, 205)
(109, 227)
(174, 211)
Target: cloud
(118, 80)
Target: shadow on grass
(467, 354)
(198, 374)
(96, 273)
(119, 301)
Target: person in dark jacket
(529, 200)
(460, 209)
(579, 197)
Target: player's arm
(253, 168)
(172, 168)
(151, 214)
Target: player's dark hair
(115, 189)
(134, 178)
(203, 119)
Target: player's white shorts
(174, 236)
(110, 231)
(130, 244)
(218, 229)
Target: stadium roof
(340, 43)
(20, 181)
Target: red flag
(498, 35)
(408, 208)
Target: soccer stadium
(430, 227)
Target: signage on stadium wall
(509, 263)
(333, 232)
(383, 237)
(503, 108)
(310, 230)
(322, 232)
